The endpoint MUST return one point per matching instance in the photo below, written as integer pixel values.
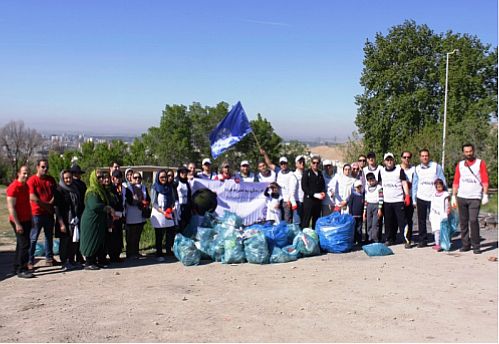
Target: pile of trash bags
(225, 240)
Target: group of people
(89, 221)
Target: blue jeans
(47, 223)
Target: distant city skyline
(112, 66)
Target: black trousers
(114, 241)
(409, 212)
(423, 210)
(67, 249)
(358, 229)
(133, 234)
(21, 257)
(394, 217)
(312, 208)
(468, 221)
(160, 233)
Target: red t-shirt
(20, 191)
(43, 188)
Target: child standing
(373, 207)
(273, 202)
(439, 210)
(356, 209)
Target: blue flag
(229, 131)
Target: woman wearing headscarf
(184, 197)
(137, 205)
(114, 235)
(163, 208)
(94, 221)
(343, 187)
(68, 212)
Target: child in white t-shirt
(439, 210)
(273, 202)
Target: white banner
(245, 199)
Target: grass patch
(490, 207)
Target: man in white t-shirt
(469, 190)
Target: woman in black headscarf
(184, 197)
(163, 207)
(68, 210)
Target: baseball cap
(327, 162)
(245, 162)
(299, 157)
(76, 169)
(388, 155)
(283, 159)
(206, 161)
(357, 183)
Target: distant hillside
(328, 152)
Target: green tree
(401, 106)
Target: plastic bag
(216, 247)
(233, 247)
(40, 248)
(377, 249)
(185, 250)
(231, 220)
(311, 233)
(448, 227)
(293, 230)
(255, 247)
(336, 232)
(306, 245)
(276, 235)
(284, 255)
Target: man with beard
(471, 184)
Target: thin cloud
(263, 22)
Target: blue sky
(109, 67)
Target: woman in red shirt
(20, 219)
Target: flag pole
(257, 143)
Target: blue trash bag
(311, 233)
(205, 234)
(293, 230)
(40, 248)
(255, 247)
(233, 247)
(276, 235)
(377, 249)
(306, 245)
(448, 227)
(284, 255)
(185, 250)
(336, 232)
(231, 220)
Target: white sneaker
(160, 259)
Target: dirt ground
(416, 295)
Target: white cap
(244, 162)
(388, 155)
(283, 159)
(357, 183)
(327, 162)
(299, 157)
(206, 161)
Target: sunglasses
(162, 177)
(44, 167)
(355, 169)
(170, 176)
(315, 162)
(362, 160)
(406, 157)
(137, 177)
(100, 177)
